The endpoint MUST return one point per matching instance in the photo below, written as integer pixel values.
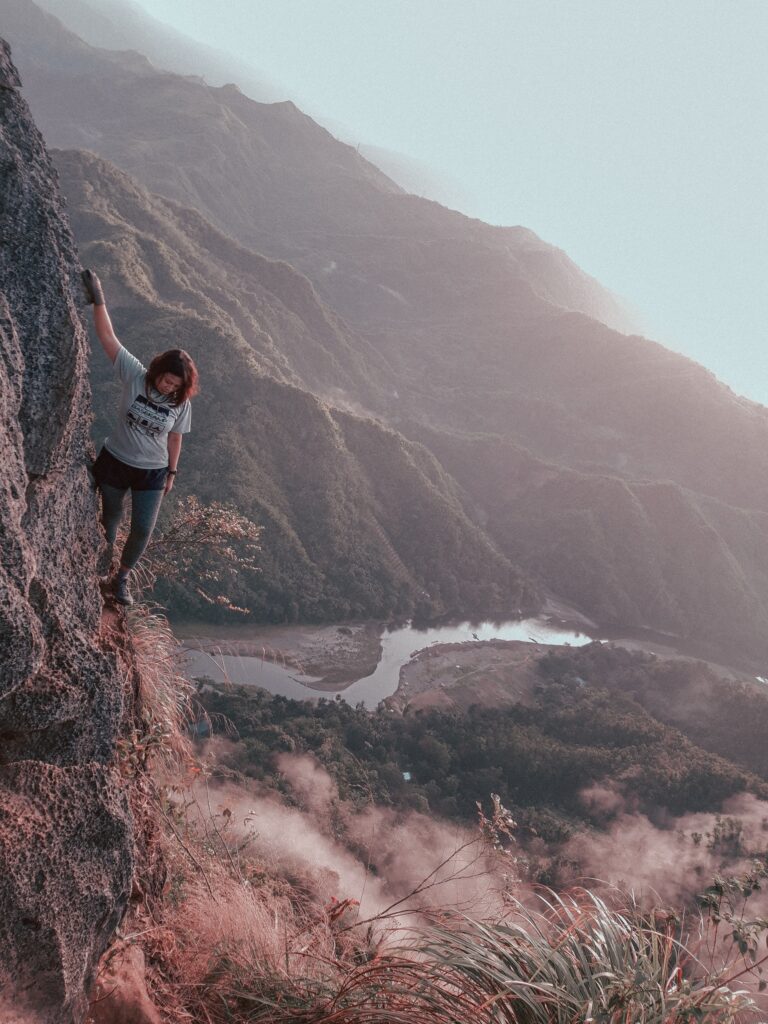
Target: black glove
(93, 290)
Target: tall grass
(165, 697)
(573, 958)
(231, 923)
(567, 959)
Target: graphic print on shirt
(148, 418)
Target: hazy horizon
(627, 135)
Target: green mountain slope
(188, 263)
(484, 328)
(639, 552)
(358, 520)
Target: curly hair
(180, 364)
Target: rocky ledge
(66, 835)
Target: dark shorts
(114, 473)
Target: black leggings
(115, 479)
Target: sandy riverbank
(336, 655)
(436, 667)
(489, 672)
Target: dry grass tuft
(166, 706)
(568, 959)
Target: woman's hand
(104, 329)
(94, 293)
(174, 451)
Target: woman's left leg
(144, 508)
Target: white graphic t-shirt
(144, 421)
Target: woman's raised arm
(101, 322)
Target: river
(397, 647)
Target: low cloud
(671, 860)
(387, 862)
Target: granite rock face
(65, 826)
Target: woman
(142, 452)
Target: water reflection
(397, 647)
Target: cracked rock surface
(65, 826)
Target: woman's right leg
(112, 499)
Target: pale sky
(631, 133)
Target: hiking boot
(123, 591)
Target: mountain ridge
(432, 304)
(623, 549)
(341, 197)
(438, 330)
(113, 25)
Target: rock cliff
(65, 824)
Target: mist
(629, 137)
(674, 859)
(381, 863)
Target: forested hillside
(357, 520)
(540, 758)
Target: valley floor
(330, 658)
(336, 655)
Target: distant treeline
(724, 717)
